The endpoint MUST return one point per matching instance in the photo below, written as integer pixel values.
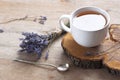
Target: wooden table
(52, 9)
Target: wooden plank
(52, 9)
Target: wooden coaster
(112, 60)
(107, 53)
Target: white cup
(82, 37)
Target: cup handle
(62, 25)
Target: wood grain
(52, 9)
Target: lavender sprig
(1, 31)
(47, 55)
(39, 19)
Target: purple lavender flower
(42, 19)
(1, 31)
(47, 55)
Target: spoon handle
(34, 63)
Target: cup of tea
(88, 25)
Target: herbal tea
(89, 21)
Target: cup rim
(107, 22)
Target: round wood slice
(82, 56)
(112, 60)
(107, 53)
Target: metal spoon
(61, 68)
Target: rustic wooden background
(52, 9)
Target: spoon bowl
(63, 67)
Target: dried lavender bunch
(34, 43)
